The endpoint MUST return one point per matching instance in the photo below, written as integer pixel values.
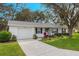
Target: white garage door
(23, 33)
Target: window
(38, 30)
(54, 30)
(63, 30)
(46, 29)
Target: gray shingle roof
(31, 24)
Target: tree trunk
(70, 30)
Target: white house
(24, 30)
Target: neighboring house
(27, 29)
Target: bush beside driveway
(9, 45)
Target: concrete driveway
(36, 48)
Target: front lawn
(10, 49)
(65, 42)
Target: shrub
(5, 36)
(13, 38)
(65, 34)
(35, 36)
(78, 32)
(60, 34)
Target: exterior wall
(59, 30)
(43, 30)
(26, 32)
(13, 30)
(50, 32)
(53, 30)
(41, 34)
(66, 30)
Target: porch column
(57, 30)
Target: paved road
(36, 48)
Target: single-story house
(24, 30)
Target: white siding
(59, 30)
(13, 30)
(41, 34)
(28, 32)
(66, 30)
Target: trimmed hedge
(5, 36)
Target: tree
(3, 22)
(38, 16)
(4, 10)
(68, 13)
(24, 15)
(4, 25)
(13, 9)
(30, 16)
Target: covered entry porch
(51, 31)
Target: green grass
(10, 49)
(65, 42)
